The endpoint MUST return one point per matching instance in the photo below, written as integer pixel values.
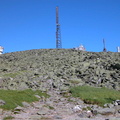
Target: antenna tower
(104, 49)
(58, 32)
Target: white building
(1, 50)
(81, 48)
(118, 49)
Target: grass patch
(92, 95)
(8, 118)
(13, 98)
(13, 75)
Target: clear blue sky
(30, 24)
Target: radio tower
(104, 49)
(58, 33)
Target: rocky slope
(59, 68)
(55, 71)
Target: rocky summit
(59, 68)
(55, 71)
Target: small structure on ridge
(81, 48)
(1, 50)
(118, 49)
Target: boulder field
(59, 68)
(55, 71)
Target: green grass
(92, 95)
(13, 75)
(8, 118)
(13, 98)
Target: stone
(35, 117)
(110, 105)
(25, 104)
(94, 112)
(106, 111)
(80, 102)
(18, 108)
(37, 96)
(38, 105)
(8, 113)
(1, 111)
(77, 108)
(117, 109)
(89, 114)
(62, 99)
(57, 117)
(2, 102)
(43, 111)
(23, 86)
(117, 102)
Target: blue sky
(30, 24)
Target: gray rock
(18, 108)
(2, 102)
(106, 111)
(84, 114)
(94, 112)
(57, 117)
(38, 105)
(37, 96)
(43, 111)
(23, 86)
(35, 117)
(1, 111)
(77, 108)
(110, 105)
(25, 104)
(117, 109)
(80, 102)
(117, 102)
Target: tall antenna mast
(104, 49)
(58, 33)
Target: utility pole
(104, 49)
(58, 32)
